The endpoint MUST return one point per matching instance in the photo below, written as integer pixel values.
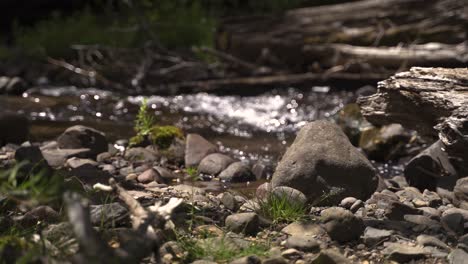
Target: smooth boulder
(325, 166)
(77, 137)
(196, 148)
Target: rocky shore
(325, 202)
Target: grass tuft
(219, 249)
(281, 209)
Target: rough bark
(433, 101)
(285, 40)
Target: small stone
(247, 223)
(237, 172)
(397, 210)
(148, 176)
(330, 256)
(422, 221)
(79, 137)
(303, 243)
(460, 192)
(458, 256)
(373, 236)
(109, 215)
(140, 154)
(214, 163)
(275, 260)
(131, 177)
(426, 240)
(403, 253)
(356, 206)
(292, 195)
(41, 213)
(291, 253)
(197, 148)
(77, 162)
(454, 220)
(247, 260)
(341, 225)
(348, 202)
(229, 201)
(305, 229)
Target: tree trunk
(302, 38)
(433, 101)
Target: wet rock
(385, 143)
(426, 240)
(324, 165)
(58, 157)
(141, 155)
(247, 260)
(403, 253)
(79, 137)
(330, 256)
(429, 167)
(341, 225)
(303, 243)
(196, 149)
(41, 213)
(461, 193)
(292, 195)
(109, 215)
(14, 128)
(373, 236)
(214, 163)
(304, 229)
(237, 172)
(148, 176)
(458, 256)
(247, 223)
(229, 201)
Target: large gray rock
(77, 137)
(324, 165)
(214, 163)
(431, 168)
(196, 148)
(14, 128)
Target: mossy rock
(161, 136)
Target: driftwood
(297, 37)
(433, 101)
(146, 237)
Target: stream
(258, 127)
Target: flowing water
(256, 127)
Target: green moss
(163, 136)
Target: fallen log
(368, 23)
(432, 101)
(280, 80)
